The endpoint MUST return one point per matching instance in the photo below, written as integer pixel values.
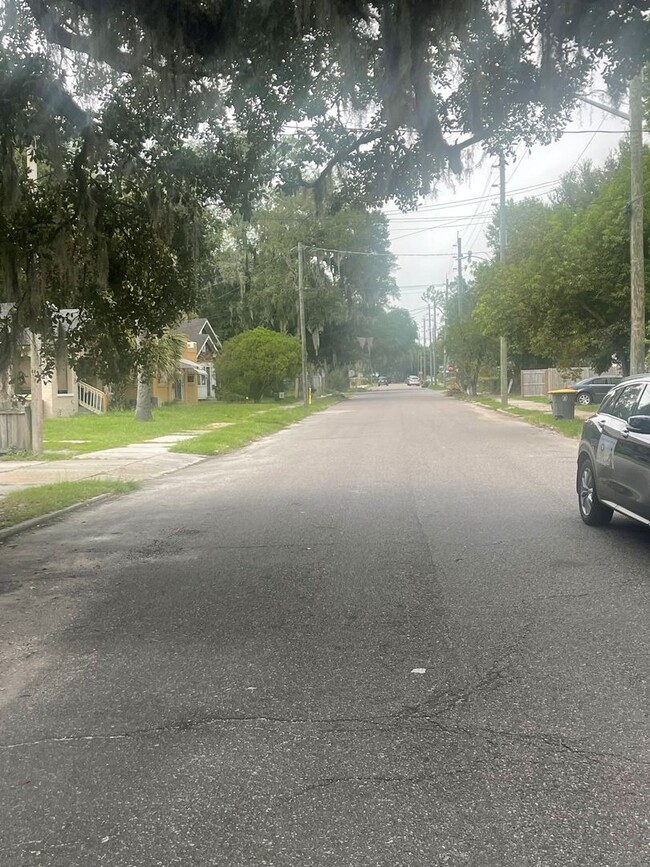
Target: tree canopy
(564, 291)
(148, 111)
(346, 274)
(391, 91)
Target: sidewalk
(136, 462)
(545, 407)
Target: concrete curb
(8, 532)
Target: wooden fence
(15, 430)
(538, 382)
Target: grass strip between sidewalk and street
(40, 500)
(80, 434)
(568, 427)
(218, 428)
(258, 425)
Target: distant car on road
(413, 380)
(594, 388)
(383, 380)
(614, 456)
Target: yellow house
(62, 392)
(194, 378)
(184, 387)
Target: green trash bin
(563, 402)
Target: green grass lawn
(66, 437)
(219, 427)
(245, 430)
(544, 398)
(569, 427)
(41, 500)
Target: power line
(451, 225)
(405, 219)
(479, 208)
(475, 199)
(586, 147)
(370, 253)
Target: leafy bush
(257, 362)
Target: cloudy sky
(425, 240)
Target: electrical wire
(479, 211)
(370, 253)
(474, 199)
(588, 145)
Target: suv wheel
(592, 511)
(584, 398)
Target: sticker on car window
(605, 451)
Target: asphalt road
(380, 637)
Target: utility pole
(434, 360)
(303, 330)
(637, 264)
(432, 344)
(424, 347)
(459, 253)
(503, 346)
(428, 296)
(444, 344)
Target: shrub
(256, 362)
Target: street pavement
(136, 462)
(380, 637)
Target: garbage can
(563, 402)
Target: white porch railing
(91, 398)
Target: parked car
(383, 380)
(413, 380)
(614, 456)
(594, 388)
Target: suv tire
(592, 511)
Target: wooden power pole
(303, 329)
(637, 264)
(503, 346)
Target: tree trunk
(7, 399)
(143, 401)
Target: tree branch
(366, 138)
(55, 31)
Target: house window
(190, 377)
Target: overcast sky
(425, 240)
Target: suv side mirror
(639, 424)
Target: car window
(609, 400)
(643, 407)
(600, 380)
(627, 400)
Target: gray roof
(200, 331)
